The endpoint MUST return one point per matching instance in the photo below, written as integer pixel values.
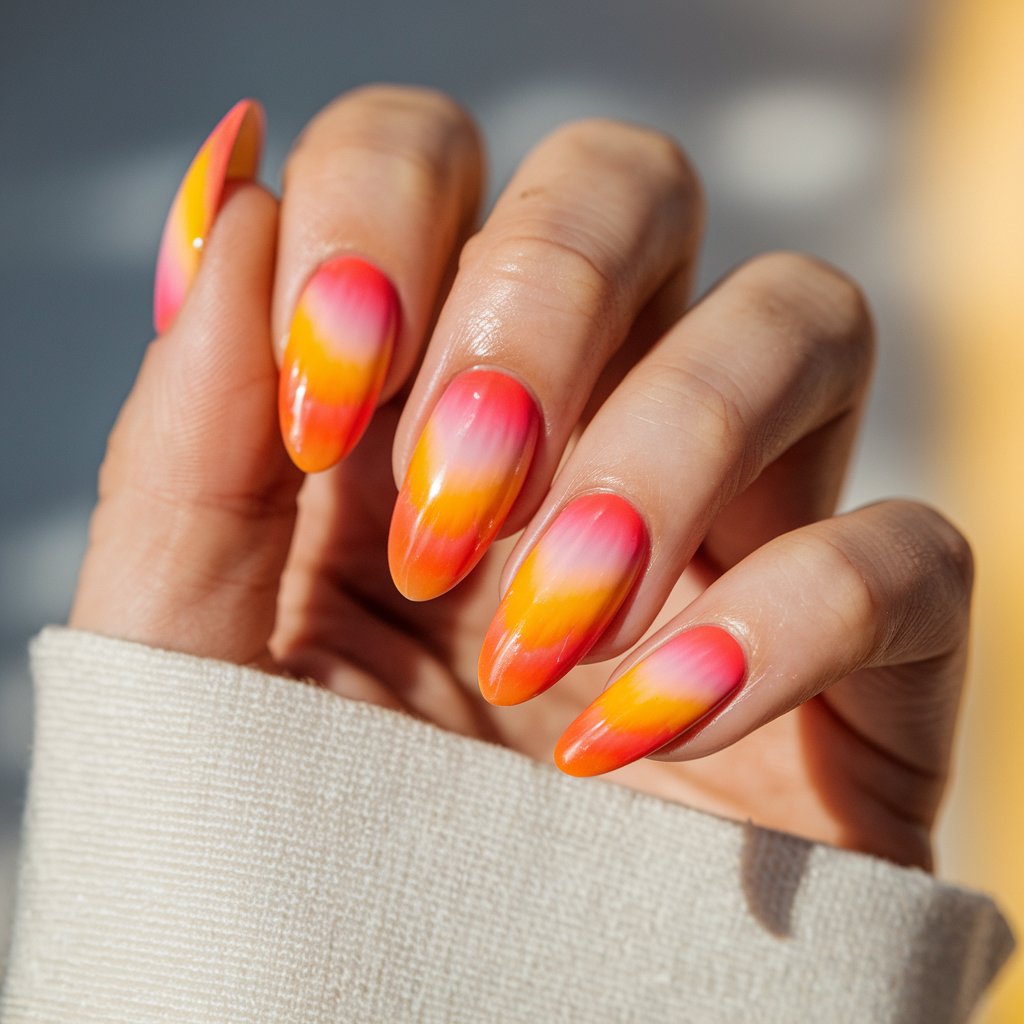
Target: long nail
(339, 348)
(467, 470)
(563, 597)
(654, 702)
(231, 152)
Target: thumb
(197, 495)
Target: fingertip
(502, 690)
(573, 754)
(465, 474)
(564, 762)
(340, 345)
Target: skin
(727, 424)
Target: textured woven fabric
(209, 843)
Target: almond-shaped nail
(568, 589)
(654, 702)
(465, 473)
(337, 356)
(231, 152)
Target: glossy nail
(654, 702)
(339, 348)
(465, 473)
(231, 152)
(563, 597)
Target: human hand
(669, 467)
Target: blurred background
(887, 138)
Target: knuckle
(587, 138)
(402, 106)
(940, 555)
(588, 221)
(417, 112)
(843, 306)
(798, 295)
(663, 156)
(417, 99)
(561, 266)
(924, 569)
(853, 594)
(836, 298)
(635, 148)
(408, 166)
(781, 266)
(704, 412)
(420, 129)
(959, 557)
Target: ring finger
(777, 353)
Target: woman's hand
(669, 467)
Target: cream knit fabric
(209, 843)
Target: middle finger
(598, 219)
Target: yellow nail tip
(230, 152)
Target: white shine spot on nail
(436, 487)
(298, 407)
(197, 243)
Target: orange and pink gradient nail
(339, 348)
(654, 702)
(464, 476)
(565, 594)
(231, 152)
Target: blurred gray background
(792, 109)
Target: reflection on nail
(654, 702)
(464, 476)
(339, 348)
(231, 152)
(567, 591)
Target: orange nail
(339, 348)
(654, 702)
(231, 152)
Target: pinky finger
(882, 586)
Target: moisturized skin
(600, 216)
(465, 473)
(563, 597)
(654, 702)
(231, 152)
(339, 349)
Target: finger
(197, 497)
(595, 221)
(887, 585)
(379, 191)
(231, 153)
(800, 487)
(779, 351)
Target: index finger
(379, 191)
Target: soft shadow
(772, 866)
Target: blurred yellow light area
(969, 186)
